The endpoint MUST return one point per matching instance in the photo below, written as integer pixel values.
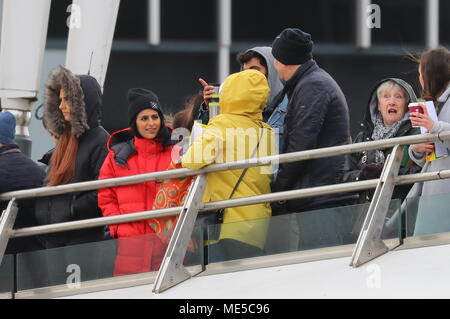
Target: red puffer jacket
(130, 156)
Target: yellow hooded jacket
(233, 135)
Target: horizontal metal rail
(260, 161)
(93, 222)
(243, 201)
(286, 195)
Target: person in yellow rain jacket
(234, 135)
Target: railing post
(172, 271)
(369, 244)
(24, 32)
(7, 220)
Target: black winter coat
(18, 172)
(317, 116)
(356, 161)
(90, 156)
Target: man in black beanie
(317, 116)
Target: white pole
(23, 36)
(224, 35)
(432, 23)
(1, 10)
(91, 30)
(154, 22)
(363, 31)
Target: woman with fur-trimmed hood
(72, 111)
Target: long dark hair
(186, 117)
(435, 69)
(62, 162)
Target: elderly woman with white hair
(386, 116)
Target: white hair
(390, 84)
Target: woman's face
(392, 105)
(148, 123)
(64, 106)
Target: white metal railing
(261, 161)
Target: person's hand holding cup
(418, 114)
(415, 108)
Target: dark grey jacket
(85, 96)
(18, 172)
(317, 116)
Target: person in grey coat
(434, 78)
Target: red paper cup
(416, 107)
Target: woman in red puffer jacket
(145, 147)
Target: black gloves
(370, 171)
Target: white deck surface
(411, 273)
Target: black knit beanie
(292, 47)
(140, 99)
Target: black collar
(292, 82)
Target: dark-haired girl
(144, 147)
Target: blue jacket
(317, 117)
(276, 121)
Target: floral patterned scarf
(381, 132)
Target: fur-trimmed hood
(84, 95)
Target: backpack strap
(245, 169)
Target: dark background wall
(188, 47)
